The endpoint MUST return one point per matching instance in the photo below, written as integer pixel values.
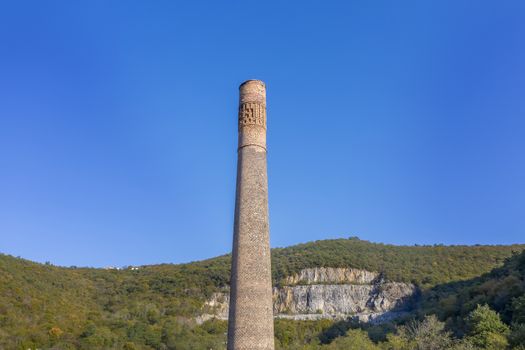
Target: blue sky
(399, 122)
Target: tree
(55, 332)
(428, 334)
(355, 339)
(517, 337)
(397, 342)
(518, 309)
(486, 330)
(463, 345)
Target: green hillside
(486, 312)
(503, 290)
(153, 307)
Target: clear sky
(395, 121)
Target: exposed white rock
(330, 275)
(374, 318)
(347, 299)
(332, 294)
(218, 305)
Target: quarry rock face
(331, 275)
(334, 293)
(339, 299)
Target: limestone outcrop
(319, 275)
(335, 293)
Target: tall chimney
(251, 312)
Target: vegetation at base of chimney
(153, 307)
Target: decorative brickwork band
(251, 113)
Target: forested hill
(42, 304)
(422, 265)
(502, 290)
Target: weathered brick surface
(251, 311)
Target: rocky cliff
(321, 275)
(336, 293)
